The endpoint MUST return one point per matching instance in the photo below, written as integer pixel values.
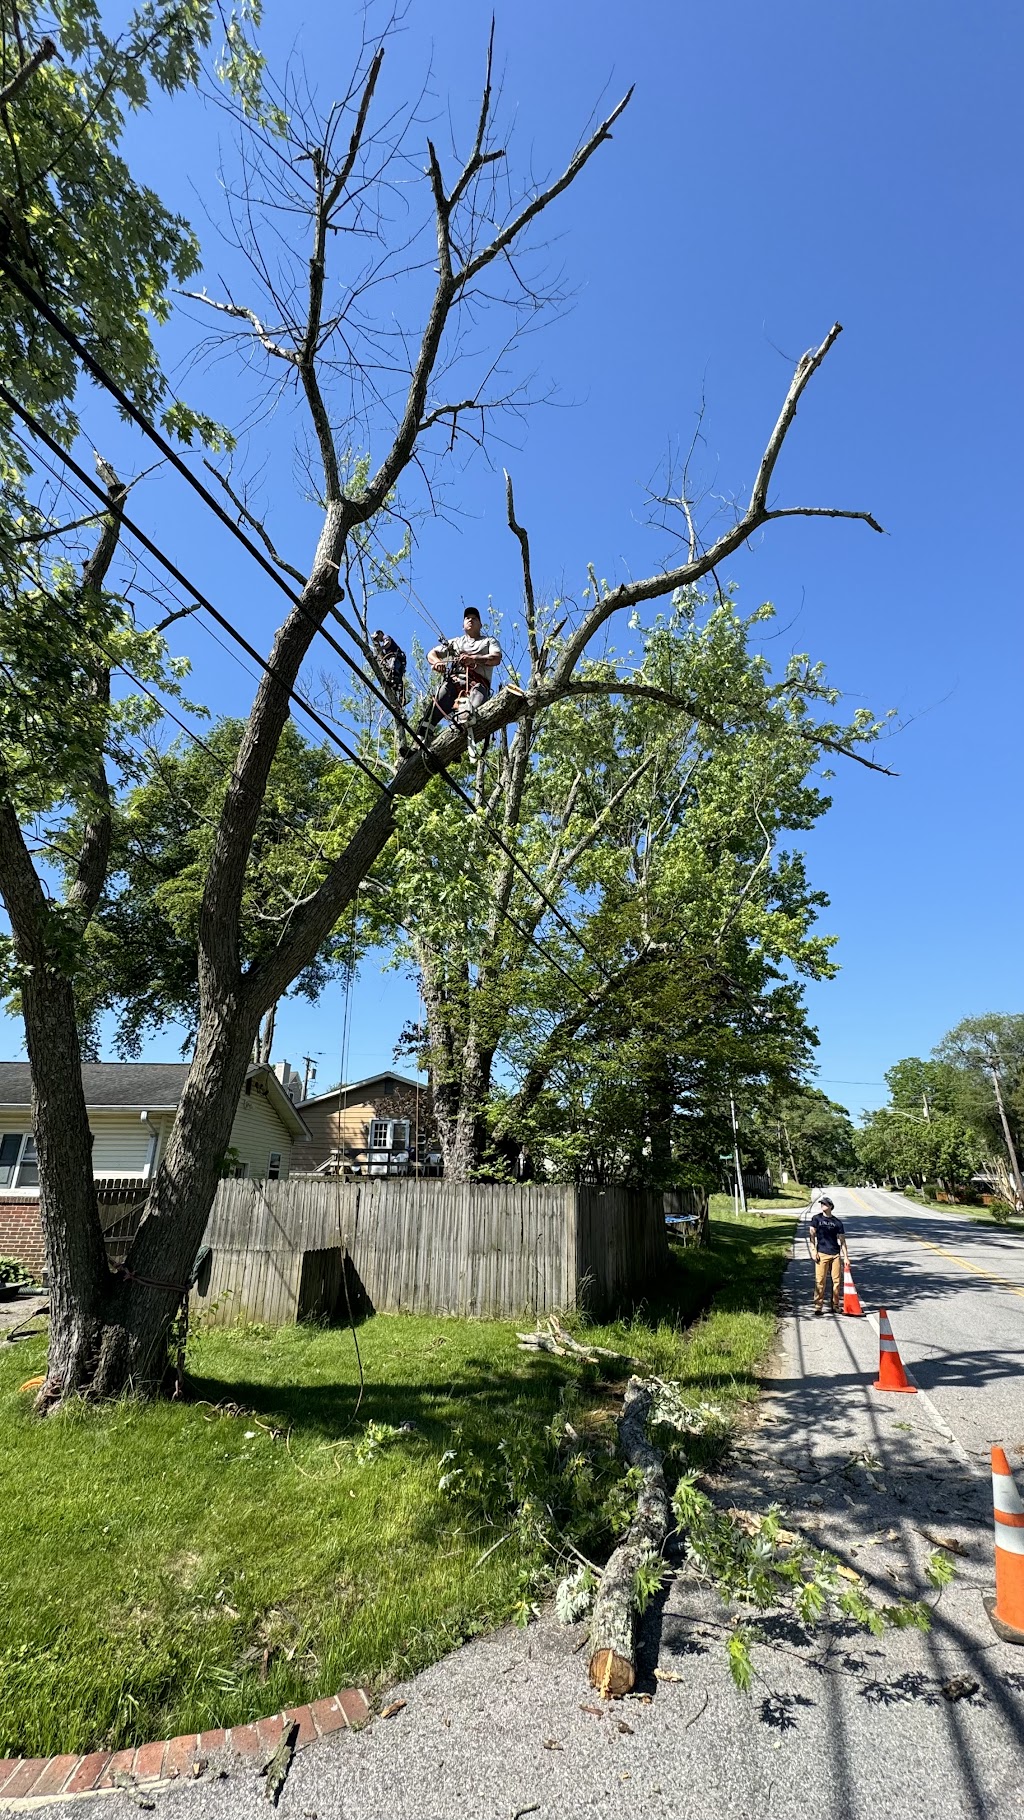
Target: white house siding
(121, 1142)
(257, 1131)
(16, 1118)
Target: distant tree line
(958, 1115)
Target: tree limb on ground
(553, 1338)
(613, 1622)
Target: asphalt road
(954, 1292)
(840, 1725)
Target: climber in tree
(391, 659)
(466, 665)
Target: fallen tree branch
(553, 1338)
(613, 1622)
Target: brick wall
(21, 1233)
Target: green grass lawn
(177, 1567)
(790, 1196)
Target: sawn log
(613, 1622)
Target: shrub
(1001, 1211)
(13, 1275)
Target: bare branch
(826, 512)
(238, 310)
(449, 286)
(655, 587)
(76, 524)
(534, 208)
(337, 187)
(256, 525)
(521, 533)
(46, 50)
(806, 367)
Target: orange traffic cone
(891, 1375)
(851, 1300)
(1006, 1607)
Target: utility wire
(134, 530)
(38, 429)
(110, 384)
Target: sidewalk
(844, 1725)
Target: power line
(127, 404)
(40, 430)
(134, 530)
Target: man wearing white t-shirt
(469, 662)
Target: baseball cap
(825, 1200)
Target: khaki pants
(828, 1281)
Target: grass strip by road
(179, 1567)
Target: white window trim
(16, 1186)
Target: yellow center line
(964, 1264)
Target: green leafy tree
(988, 1055)
(897, 1145)
(655, 824)
(140, 955)
(803, 1132)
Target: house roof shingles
(348, 1088)
(154, 1085)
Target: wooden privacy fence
(428, 1247)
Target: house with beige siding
(131, 1108)
(382, 1125)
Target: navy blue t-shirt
(827, 1231)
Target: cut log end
(611, 1674)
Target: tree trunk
(131, 1355)
(459, 1103)
(80, 1283)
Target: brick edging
(31, 1779)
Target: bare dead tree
(344, 368)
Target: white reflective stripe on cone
(888, 1346)
(1010, 1540)
(1005, 1495)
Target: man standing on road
(827, 1245)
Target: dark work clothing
(448, 694)
(826, 1234)
(391, 658)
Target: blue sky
(778, 169)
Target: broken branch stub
(613, 1623)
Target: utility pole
(789, 1147)
(1010, 1151)
(927, 1108)
(736, 1156)
(308, 1075)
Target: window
(10, 1150)
(19, 1165)
(274, 1166)
(28, 1169)
(380, 1134)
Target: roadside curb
(29, 1782)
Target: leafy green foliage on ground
(175, 1567)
